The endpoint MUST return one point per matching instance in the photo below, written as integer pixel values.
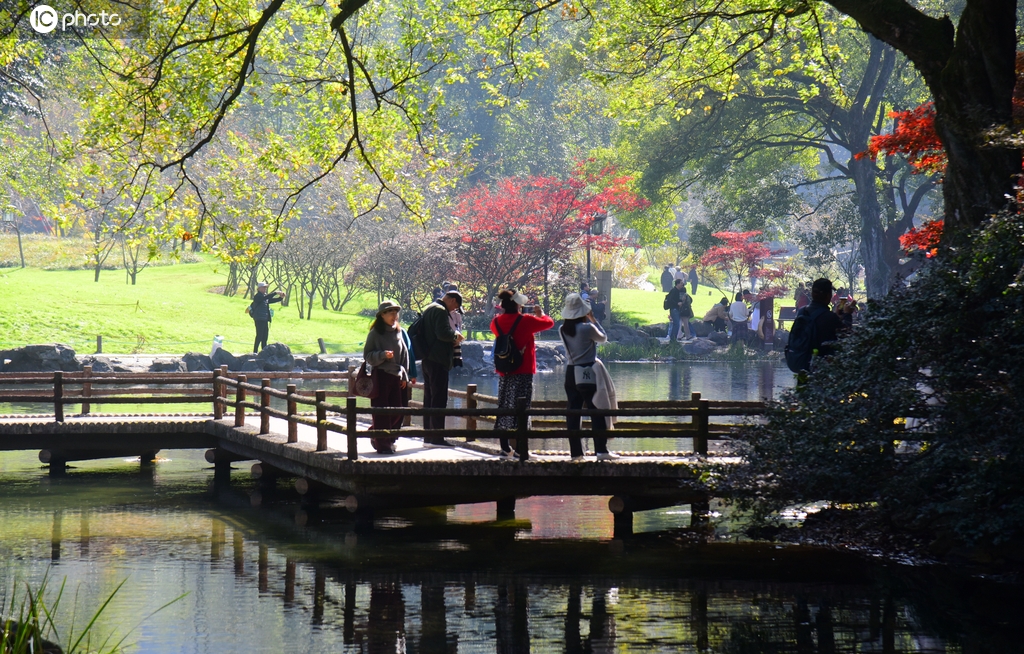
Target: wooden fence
(231, 391)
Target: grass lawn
(171, 310)
(645, 307)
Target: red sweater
(523, 337)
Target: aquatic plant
(35, 625)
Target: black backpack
(667, 305)
(507, 357)
(800, 347)
(418, 338)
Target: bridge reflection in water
(275, 578)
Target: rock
(781, 339)
(98, 363)
(719, 338)
(549, 355)
(276, 357)
(168, 365)
(222, 357)
(251, 365)
(48, 357)
(701, 329)
(197, 362)
(699, 347)
(619, 333)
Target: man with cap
(437, 361)
(259, 311)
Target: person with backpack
(434, 341)
(259, 311)
(679, 306)
(814, 331)
(581, 334)
(515, 357)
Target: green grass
(645, 307)
(171, 310)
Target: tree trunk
(970, 70)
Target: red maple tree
(740, 255)
(512, 232)
(914, 137)
(926, 237)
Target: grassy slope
(644, 307)
(171, 308)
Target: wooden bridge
(325, 447)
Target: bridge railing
(672, 419)
(700, 411)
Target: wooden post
(350, 429)
(86, 390)
(349, 380)
(700, 437)
(58, 396)
(522, 445)
(323, 346)
(99, 343)
(239, 398)
(264, 406)
(321, 421)
(470, 404)
(218, 393)
(293, 427)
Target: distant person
(436, 294)
(259, 311)
(667, 279)
(455, 319)
(437, 360)
(693, 280)
(679, 274)
(581, 334)
(599, 306)
(387, 350)
(802, 296)
(738, 318)
(585, 291)
(718, 315)
(814, 332)
(519, 382)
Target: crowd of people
(431, 347)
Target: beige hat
(520, 299)
(575, 307)
(388, 305)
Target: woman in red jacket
(519, 382)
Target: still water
(283, 578)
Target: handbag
(585, 375)
(365, 384)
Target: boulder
(48, 357)
(699, 347)
(549, 355)
(197, 362)
(98, 363)
(701, 329)
(168, 365)
(276, 357)
(620, 333)
(781, 339)
(719, 338)
(222, 357)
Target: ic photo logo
(44, 19)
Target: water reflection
(261, 582)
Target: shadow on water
(279, 577)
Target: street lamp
(10, 217)
(595, 228)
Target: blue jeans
(673, 324)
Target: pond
(281, 577)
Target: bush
(947, 352)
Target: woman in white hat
(259, 311)
(387, 350)
(517, 383)
(581, 334)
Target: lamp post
(594, 228)
(10, 217)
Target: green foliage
(947, 353)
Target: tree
(405, 266)
(512, 232)
(739, 255)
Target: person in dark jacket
(259, 311)
(438, 359)
(387, 351)
(667, 279)
(828, 324)
(693, 280)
